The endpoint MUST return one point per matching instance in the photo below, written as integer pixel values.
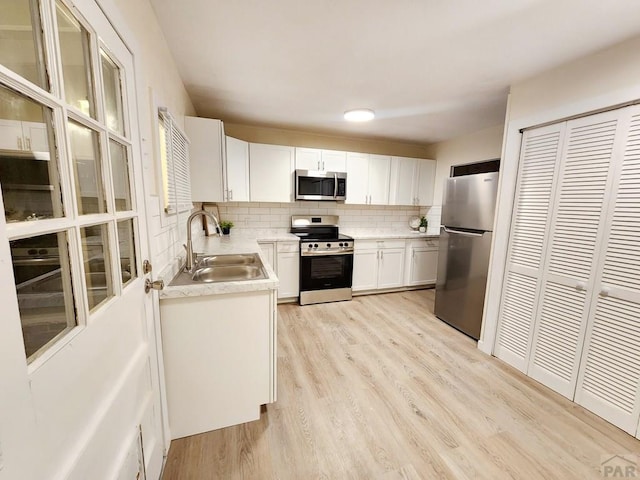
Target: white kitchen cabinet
(320, 160)
(421, 263)
(271, 173)
(237, 170)
(288, 269)
(570, 307)
(412, 181)
(368, 179)
(378, 264)
(219, 358)
(23, 136)
(206, 158)
(269, 252)
(426, 182)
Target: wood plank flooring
(378, 388)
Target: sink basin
(233, 259)
(222, 268)
(228, 273)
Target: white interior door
(609, 381)
(539, 159)
(78, 359)
(574, 244)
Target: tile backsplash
(252, 215)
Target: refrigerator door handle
(462, 232)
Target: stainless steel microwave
(313, 185)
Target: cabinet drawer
(424, 242)
(288, 247)
(378, 244)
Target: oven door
(325, 271)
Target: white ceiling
(431, 69)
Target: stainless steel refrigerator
(465, 243)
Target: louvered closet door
(574, 241)
(609, 383)
(539, 160)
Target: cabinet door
(391, 268)
(423, 266)
(573, 243)
(268, 251)
(357, 178)
(379, 175)
(237, 171)
(288, 274)
(11, 135)
(403, 185)
(365, 270)
(35, 136)
(270, 173)
(334, 161)
(531, 219)
(609, 382)
(206, 157)
(308, 158)
(426, 179)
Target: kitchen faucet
(189, 246)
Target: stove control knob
(328, 245)
(315, 245)
(310, 246)
(340, 244)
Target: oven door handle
(325, 254)
(335, 185)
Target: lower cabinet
(422, 262)
(220, 359)
(288, 269)
(378, 264)
(284, 258)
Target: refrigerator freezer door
(463, 261)
(470, 201)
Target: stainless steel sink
(222, 268)
(239, 259)
(228, 273)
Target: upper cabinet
(206, 157)
(368, 179)
(412, 181)
(237, 171)
(23, 136)
(271, 178)
(321, 160)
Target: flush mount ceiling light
(359, 115)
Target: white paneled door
(573, 245)
(609, 382)
(79, 371)
(539, 159)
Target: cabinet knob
(580, 286)
(605, 291)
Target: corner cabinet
(412, 181)
(421, 262)
(271, 173)
(206, 158)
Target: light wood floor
(378, 388)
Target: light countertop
(222, 246)
(373, 234)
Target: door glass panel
(43, 284)
(85, 153)
(112, 93)
(21, 41)
(126, 240)
(28, 161)
(120, 173)
(76, 61)
(97, 271)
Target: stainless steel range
(326, 259)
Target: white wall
(601, 80)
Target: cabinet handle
(230, 195)
(382, 255)
(19, 143)
(605, 291)
(28, 142)
(580, 286)
(413, 254)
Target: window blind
(175, 170)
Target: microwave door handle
(335, 185)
